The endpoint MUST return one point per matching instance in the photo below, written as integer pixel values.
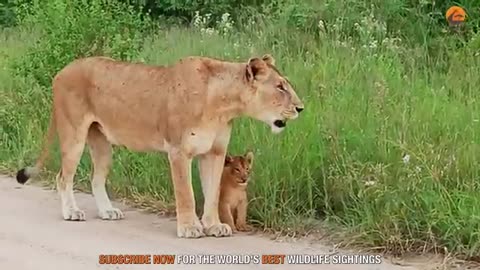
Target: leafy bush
(185, 9)
(385, 149)
(7, 14)
(76, 29)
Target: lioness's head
(273, 99)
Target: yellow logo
(455, 15)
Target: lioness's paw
(74, 215)
(219, 230)
(189, 231)
(111, 214)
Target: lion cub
(233, 191)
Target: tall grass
(386, 150)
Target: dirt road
(34, 236)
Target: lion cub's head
(237, 169)
(272, 98)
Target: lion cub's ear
(228, 160)
(269, 59)
(249, 157)
(257, 69)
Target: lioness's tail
(26, 173)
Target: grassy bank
(385, 152)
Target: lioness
(233, 191)
(184, 109)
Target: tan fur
(184, 109)
(233, 191)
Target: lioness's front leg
(211, 168)
(188, 225)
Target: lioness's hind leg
(101, 154)
(72, 143)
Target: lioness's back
(134, 103)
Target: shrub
(73, 29)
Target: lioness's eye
(280, 87)
(237, 170)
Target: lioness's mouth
(280, 123)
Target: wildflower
(406, 158)
(197, 20)
(209, 31)
(369, 183)
(225, 17)
(321, 26)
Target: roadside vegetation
(386, 152)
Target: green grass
(341, 162)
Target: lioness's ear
(249, 157)
(257, 69)
(269, 59)
(228, 160)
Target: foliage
(7, 14)
(385, 150)
(70, 30)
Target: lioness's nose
(299, 109)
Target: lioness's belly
(134, 137)
(194, 141)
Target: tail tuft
(26, 173)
